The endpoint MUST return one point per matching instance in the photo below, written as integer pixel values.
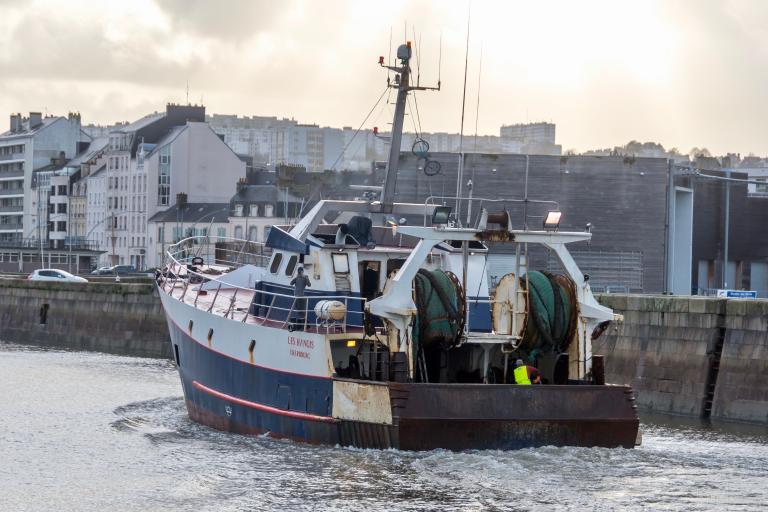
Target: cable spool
(553, 312)
(441, 306)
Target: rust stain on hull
(475, 417)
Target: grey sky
(684, 73)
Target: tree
(699, 152)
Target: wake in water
(678, 468)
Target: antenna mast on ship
(401, 82)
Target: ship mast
(403, 86)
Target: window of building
(164, 177)
(62, 190)
(275, 266)
(253, 233)
(222, 232)
(61, 226)
(61, 208)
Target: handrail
(177, 268)
(429, 201)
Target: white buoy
(330, 310)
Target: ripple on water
(107, 432)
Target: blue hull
(232, 395)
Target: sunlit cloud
(684, 73)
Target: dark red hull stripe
(262, 407)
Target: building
(732, 254)
(271, 141)
(530, 139)
(249, 215)
(30, 144)
(96, 223)
(183, 220)
(254, 209)
(67, 198)
(151, 161)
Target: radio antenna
(461, 133)
(477, 106)
(439, 60)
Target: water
(86, 431)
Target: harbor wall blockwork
(682, 355)
(107, 317)
(696, 356)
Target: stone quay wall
(696, 356)
(124, 318)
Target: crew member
(525, 374)
(299, 283)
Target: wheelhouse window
(289, 268)
(276, 260)
(340, 263)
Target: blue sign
(737, 294)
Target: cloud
(235, 20)
(682, 73)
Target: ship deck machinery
(350, 371)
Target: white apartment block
(272, 141)
(152, 161)
(96, 211)
(30, 144)
(67, 196)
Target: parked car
(123, 269)
(53, 274)
(117, 269)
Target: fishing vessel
(394, 337)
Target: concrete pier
(107, 317)
(697, 356)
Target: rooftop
(194, 212)
(263, 194)
(26, 131)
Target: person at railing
(299, 283)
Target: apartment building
(30, 144)
(67, 196)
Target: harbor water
(87, 431)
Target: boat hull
(237, 396)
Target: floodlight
(552, 221)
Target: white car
(53, 274)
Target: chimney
(74, 117)
(35, 120)
(15, 123)
(181, 200)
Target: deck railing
(190, 263)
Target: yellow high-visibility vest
(521, 375)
